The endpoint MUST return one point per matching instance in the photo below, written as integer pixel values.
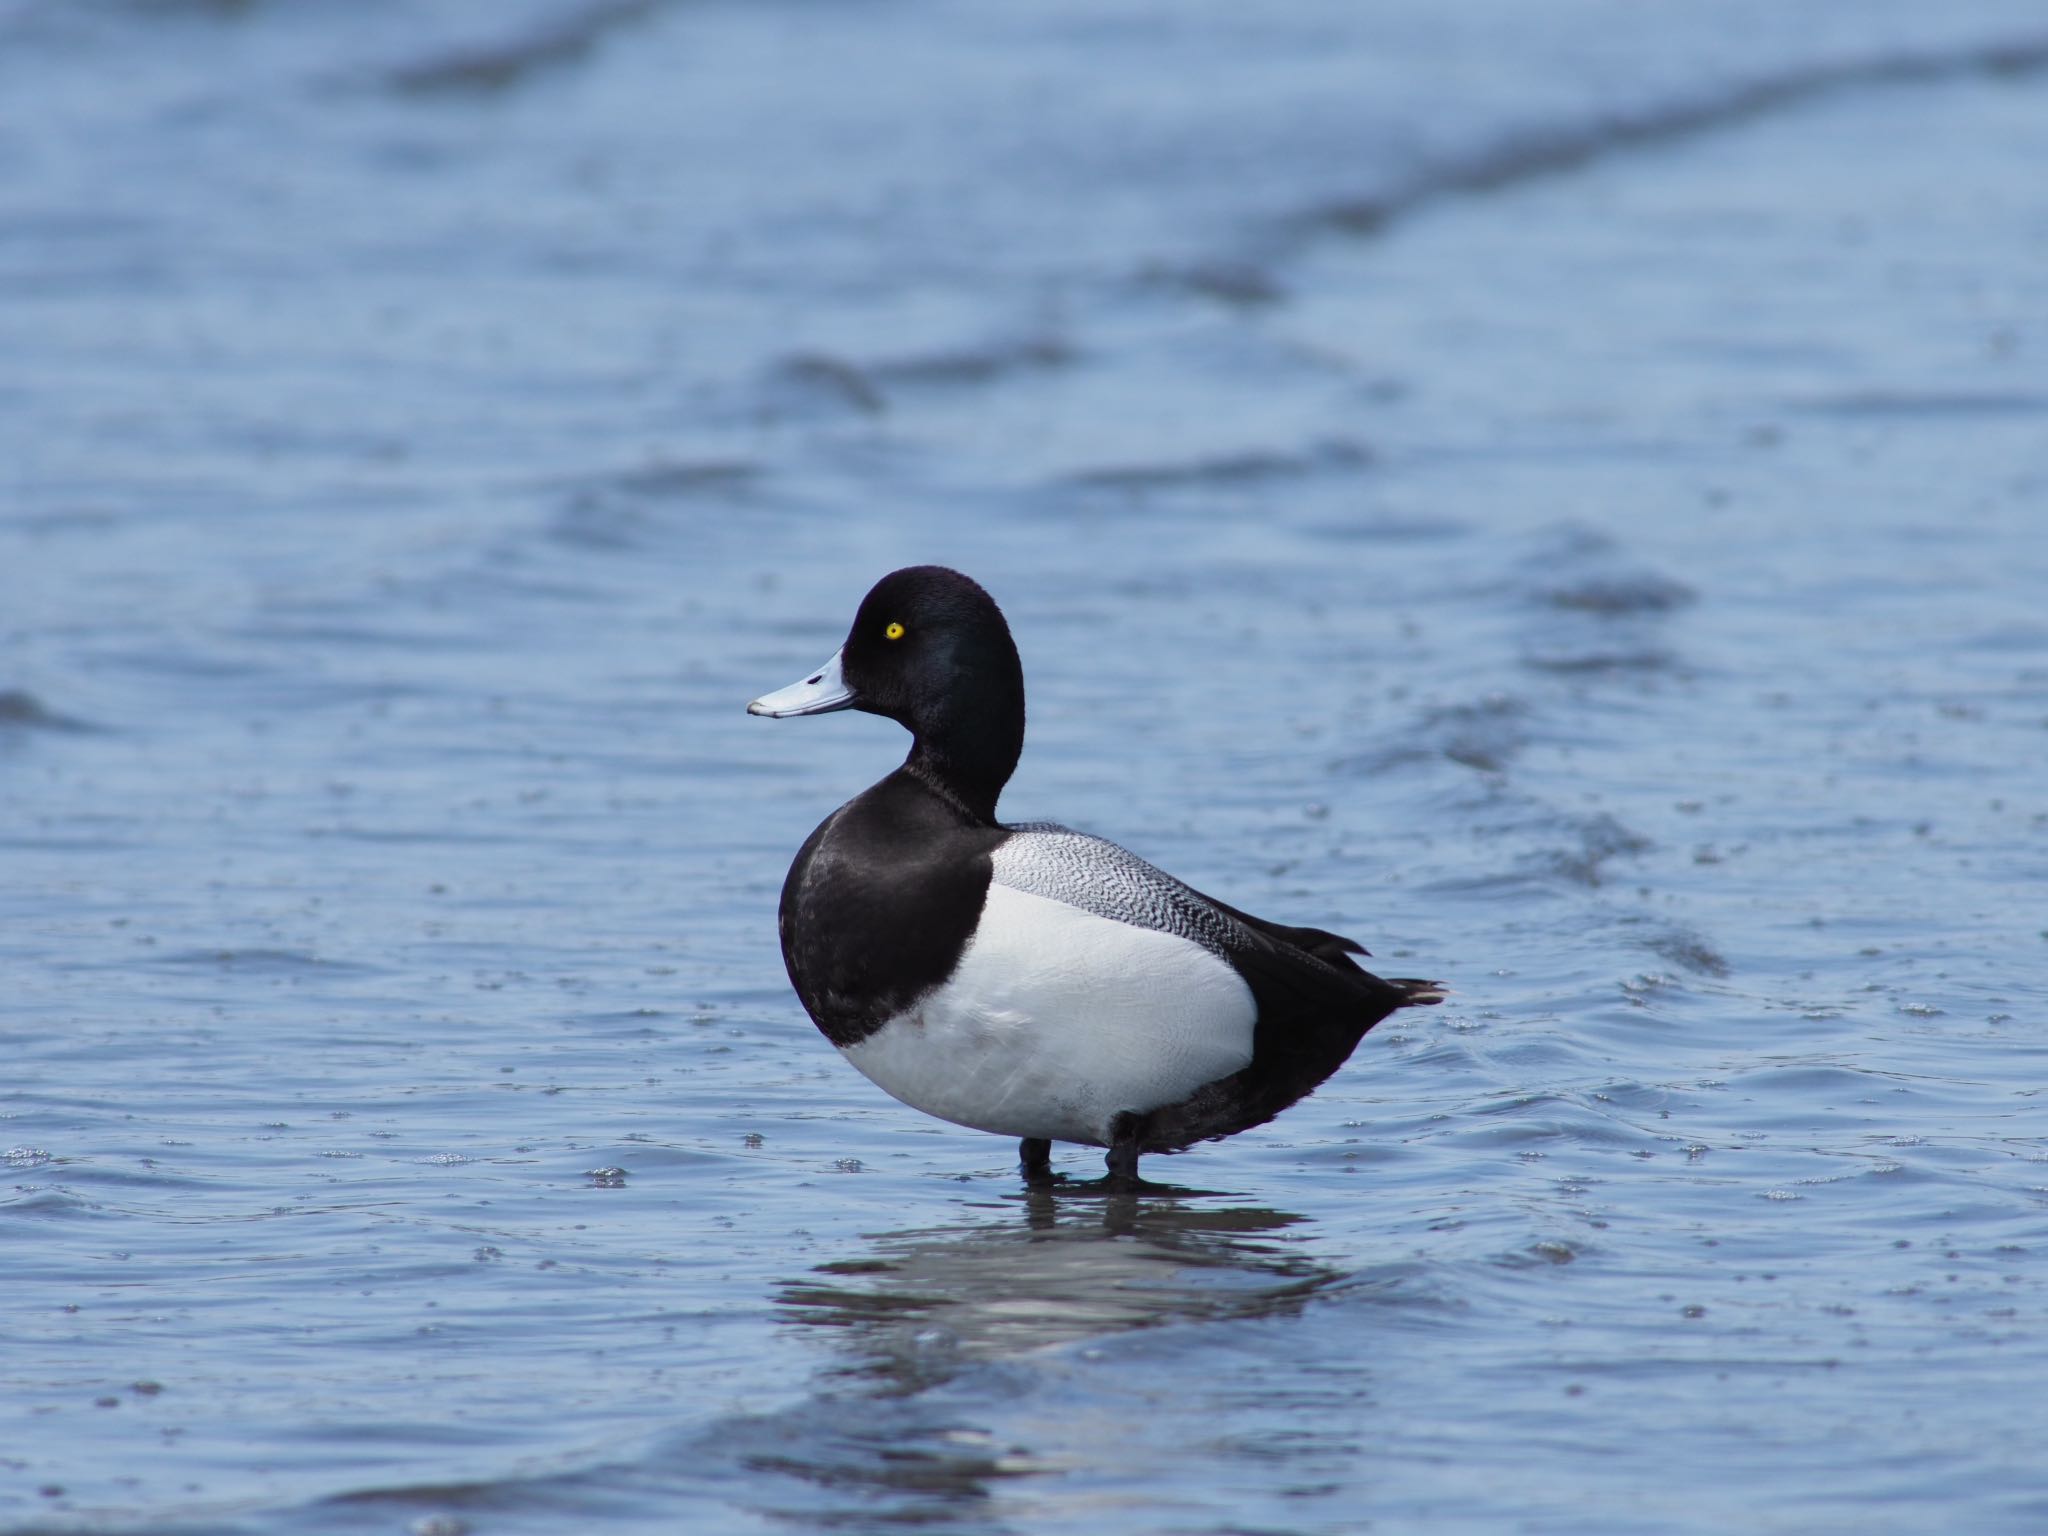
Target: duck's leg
(1034, 1158)
(1123, 1149)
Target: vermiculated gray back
(1046, 859)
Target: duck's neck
(971, 788)
(967, 753)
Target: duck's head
(930, 650)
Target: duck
(1027, 979)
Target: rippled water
(1557, 495)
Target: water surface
(1559, 500)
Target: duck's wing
(1320, 942)
(1093, 874)
(1098, 876)
(1314, 1002)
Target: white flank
(1056, 1020)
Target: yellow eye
(894, 631)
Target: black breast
(880, 904)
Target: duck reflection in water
(1059, 1264)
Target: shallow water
(1561, 501)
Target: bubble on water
(607, 1177)
(1782, 1194)
(439, 1525)
(27, 1157)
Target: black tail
(1309, 1022)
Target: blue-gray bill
(819, 694)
